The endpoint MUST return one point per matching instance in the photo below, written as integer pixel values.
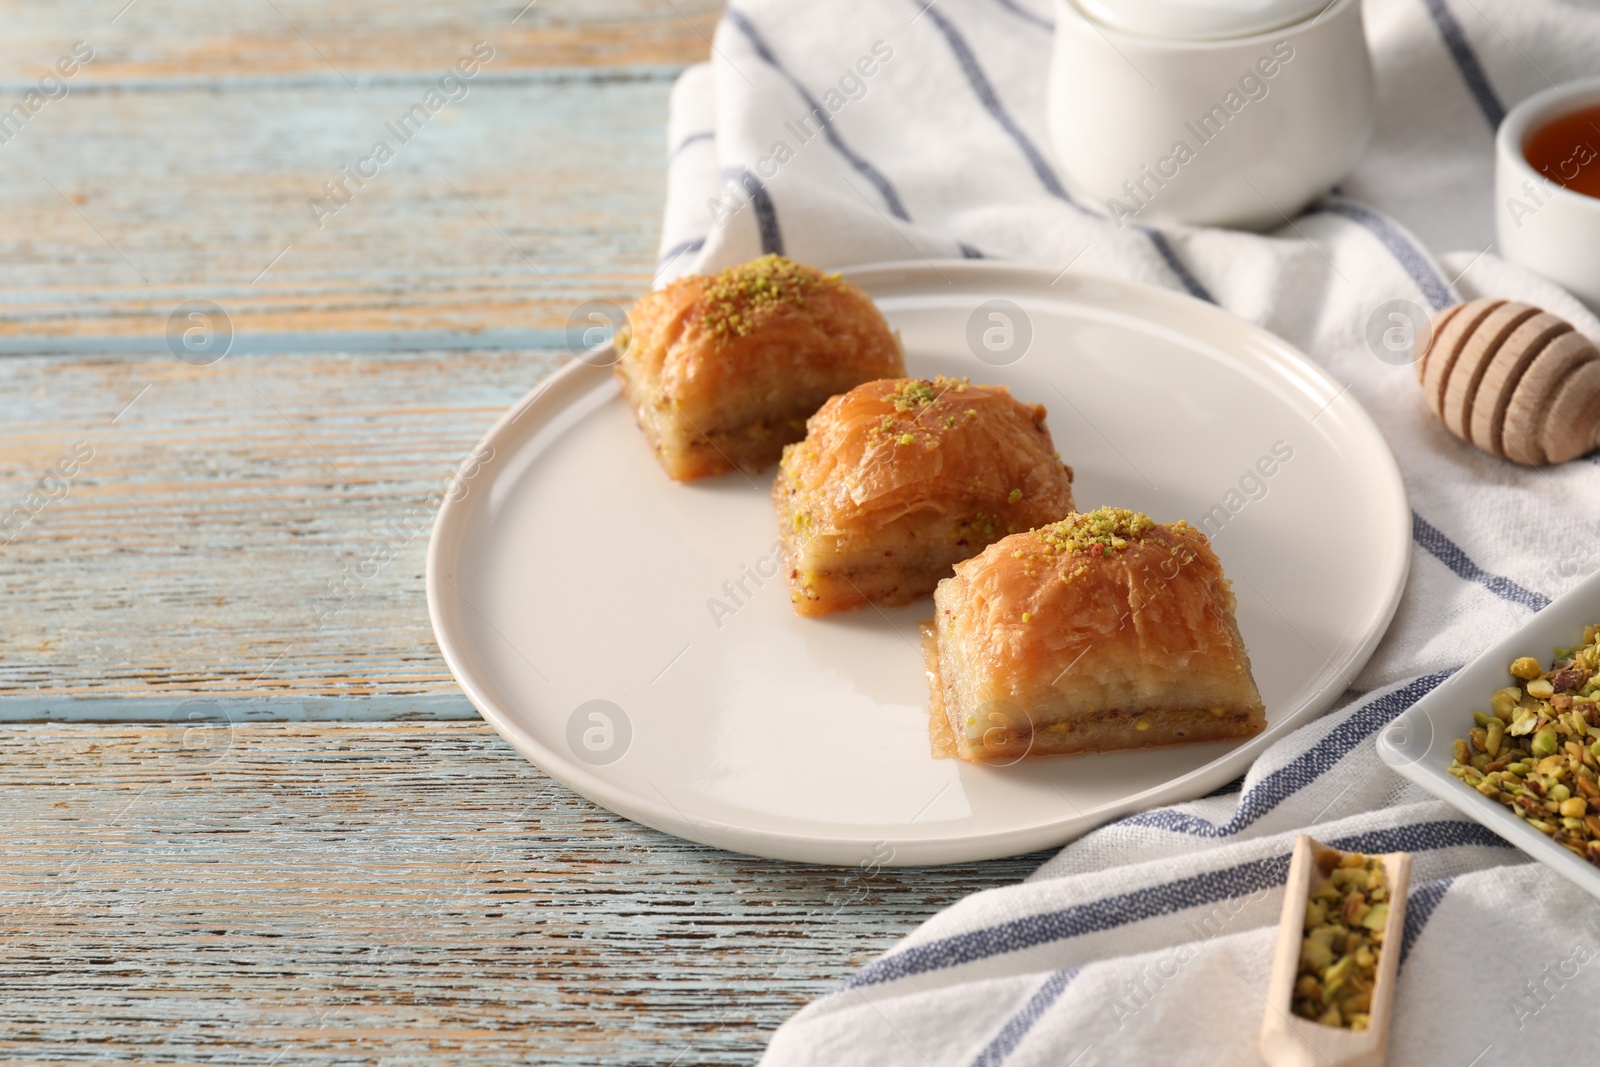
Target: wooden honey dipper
(1513, 380)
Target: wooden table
(240, 827)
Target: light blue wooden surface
(207, 546)
(397, 894)
(505, 212)
(372, 346)
(229, 833)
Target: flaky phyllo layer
(1103, 631)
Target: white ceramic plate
(631, 635)
(1418, 744)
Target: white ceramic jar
(1539, 223)
(1214, 112)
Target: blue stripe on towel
(1467, 60)
(1190, 282)
(680, 249)
(968, 252)
(983, 89)
(1150, 902)
(1419, 909)
(823, 117)
(1434, 288)
(1075, 921)
(990, 100)
(766, 213)
(1017, 1027)
(693, 138)
(1451, 555)
(1421, 837)
(1283, 783)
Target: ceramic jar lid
(1199, 20)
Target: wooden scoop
(1513, 380)
(1287, 1040)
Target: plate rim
(1456, 691)
(975, 846)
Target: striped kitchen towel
(841, 133)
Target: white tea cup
(1539, 223)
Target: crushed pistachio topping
(1539, 752)
(739, 298)
(1099, 532)
(1013, 496)
(913, 400)
(1345, 917)
(914, 393)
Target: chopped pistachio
(1103, 530)
(1527, 668)
(1504, 703)
(1341, 946)
(1539, 754)
(741, 297)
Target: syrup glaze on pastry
(722, 372)
(898, 479)
(1103, 631)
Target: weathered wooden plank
(175, 708)
(159, 39)
(189, 551)
(401, 894)
(503, 210)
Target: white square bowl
(1418, 744)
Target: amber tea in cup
(1567, 150)
(1547, 187)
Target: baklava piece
(1102, 631)
(897, 480)
(722, 372)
